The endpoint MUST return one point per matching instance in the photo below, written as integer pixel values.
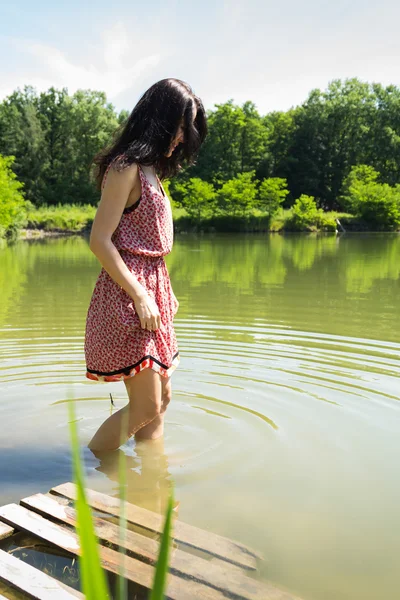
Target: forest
(337, 154)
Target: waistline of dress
(145, 257)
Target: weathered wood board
(37, 584)
(184, 534)
(222, 571)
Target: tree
(378, 204)
(12, 202)
(305, 213)
(237, 196)
(236, 143)
(314, 147)
(54, 137)
(271, 194)
(93, 123)
(22, 136)
(280, 128)
(254, 139)
(332, 133)
(54, 112)
(197, 197)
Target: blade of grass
(94, 584)
(122, 586)
(160, 576)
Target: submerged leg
(155, 429)
(145, 391)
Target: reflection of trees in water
(13, 272)
(148, 481)
(49, 281)
(304, 250)
(364, 268)
(228, 261)
(299, 280)
(243, 263)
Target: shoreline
(34, 234)
(39, 234)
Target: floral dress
(116, 346)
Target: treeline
(54, 137)
(338, 151)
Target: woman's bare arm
(112, 203)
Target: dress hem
(147, 362)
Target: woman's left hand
(176, 300)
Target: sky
(272, 53)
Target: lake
(283, 431)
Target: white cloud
(268, 52)
(117, 66)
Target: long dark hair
(150, 128)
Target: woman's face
(180, 136)
(178, 139)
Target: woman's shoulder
(120, 172)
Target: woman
(129, 326)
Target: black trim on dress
(126, 370)
(131, 208)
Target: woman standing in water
(129, 327)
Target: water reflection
(148, 481)
(283, 429)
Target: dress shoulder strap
(103, 182)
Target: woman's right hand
(147, 311)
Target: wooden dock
(203, 565)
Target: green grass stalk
(160, 576)
(94, 583)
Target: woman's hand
(176, 300)
(147, 311)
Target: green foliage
(237, 196)
(236, 143)
(281, 127)
(313, 147)
(93, 122)
(271, 194)
(326, 221)
(377, 204)
(93, 578)
(160, 575)
(12, 202)
(305, 214)
(94, 582)
(197, 197)
(360, 174)
(54, 137)
(350, 123)
(72, 217)
(22, 136)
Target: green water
(283, 432)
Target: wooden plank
(229, 578)
(10, 593)
(134, 570)
(5, 531)
(33, 582)
(188, 535)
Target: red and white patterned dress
(116, 346)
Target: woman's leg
(145, 391)
(155, 429)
